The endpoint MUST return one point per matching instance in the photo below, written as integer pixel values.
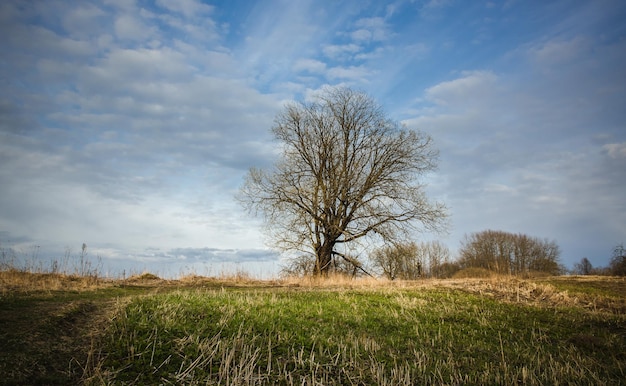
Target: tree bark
(324, 255)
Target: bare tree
(347, 172)
(438, 255)
(399, 261)
(301, 265)
(509, 253)
(411, 261)
(617, 266)
(584, 267)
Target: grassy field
(205, 331)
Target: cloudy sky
(128, 125)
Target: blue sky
(129, 125)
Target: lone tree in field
(347, 171)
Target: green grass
(350, 336)
(59, 330)
(591, 285)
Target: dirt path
(50, 333)
(49, 341)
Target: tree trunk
(323, 259)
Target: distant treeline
(481, 253)
(488, 251)
(508, 253)
(617, 265)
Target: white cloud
(375, 23)
(558, 52)
(552, 201)
(377, 53)
(371, 29)
(616, 150)
(202, 29)
(125, 5)
(437, 3)
(82, 19)
(499, 188)
(309, 65)
(122, 68)
(355, 73)
(361, 35)
(471, 86)
(188, 8)
(277, 37)
(129, 27)
(341, 51)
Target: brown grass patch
(537, 291)
(609, 295)
(17, 281)
(335, 281)
(511, 289)
(145, 277)
(474, 273)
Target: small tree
(584, 267)
(298, 266)
(618, 261)
(400, 261)
(347, 172)
(412, 261)
(438, 254)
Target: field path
(51, 337)
(48, 341)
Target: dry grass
(234, 330)
(570, 291)
(238, 279)
(335, 281)
(543, 293)
(146, 278)
(339, 331)
(17, 281)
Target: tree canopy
(346, 172)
